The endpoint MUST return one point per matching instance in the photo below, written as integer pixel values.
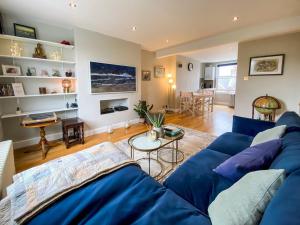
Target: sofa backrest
(284, 207)
(289, 158)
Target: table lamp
(66, 84)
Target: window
(226, 77)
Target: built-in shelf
(107, 104)
(37, 77)
(35, 41)
(38, 95)
(37, 59)
(5, 116)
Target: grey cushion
(246, 200)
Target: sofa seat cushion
(231, 143)
(285, 205)
(195, 181)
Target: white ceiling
(220, 53)
(156, 20)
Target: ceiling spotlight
(133, 28)
(235, 19)
(167, 41)
(72, 4)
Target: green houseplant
(142, 108)
(157, 120)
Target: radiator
(7, 166)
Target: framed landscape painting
(266, 65)
(109, 78)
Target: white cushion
(245, 201)
(268, 135)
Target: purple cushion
(257, 157)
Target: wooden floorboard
(216, 123)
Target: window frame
(225, 77)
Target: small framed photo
(9, 70)
(266, 65)
(6, 90)
(31, 71)
(18, 89)
(146, 75)
(24, 31)
(159, 71)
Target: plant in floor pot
(142, 108)
(157, 120)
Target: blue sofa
(129, 196)
(195, 181)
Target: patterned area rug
(192, 142)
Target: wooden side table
(43, 143)
(77, 126)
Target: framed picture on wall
(24, 31)
(266, 65)
(146, 75)
(159, 71)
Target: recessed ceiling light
(72, 4)
(235, 19)
(167, 41)
(133, 28)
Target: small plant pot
(159, 130)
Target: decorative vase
(153, 135)
(159, 130)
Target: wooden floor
(215, 123)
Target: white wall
(187, 80)
(92, 46)
(155, 91)
(285, 88)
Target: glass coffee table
(160, 148)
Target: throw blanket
(36, 188)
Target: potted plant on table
(156, 120)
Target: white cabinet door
(210, 72)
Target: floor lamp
(171, 89)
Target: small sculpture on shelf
(18, 110)
(74, 104)
(69, 73)
(56, 73)
(39, 52)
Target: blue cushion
(195, 181)
(257, 157)
(288, 159)
(231, 143)
(291, 120)
(285, 205)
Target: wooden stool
(78, 131)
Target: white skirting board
(50, 137)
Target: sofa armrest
(7, 166)
(249, 126)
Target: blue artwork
(112, 78)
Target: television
(112, 78)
